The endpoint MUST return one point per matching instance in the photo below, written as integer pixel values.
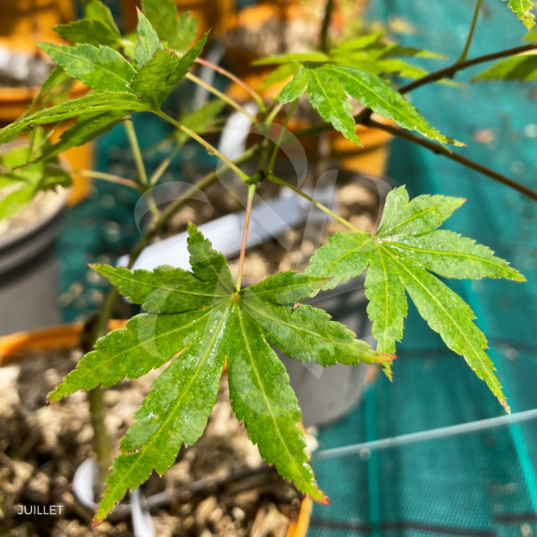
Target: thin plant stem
(108, 177)
(326, 24)
(164, 165)
(281, 136)
(317, 204)
(137, 153)
(257, 98)
(251, 192)
(456, 67)
(226, 98)
(211, 149)
(471, 32)
(274, 112)
(441, 150)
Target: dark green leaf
(102, 68)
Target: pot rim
(20, 234)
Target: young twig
(326, 25)
(234, 104)
(471, 32)
(257, 98)
(108, 177)
(281, 136)
(320, 206)
(441, 150)
(135, 147)
(251, 192)
(211, 149)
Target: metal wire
(433, 434)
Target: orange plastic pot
(33, 20)
(68, 335)
(211, 14)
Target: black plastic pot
(29, 272)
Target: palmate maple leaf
(198, 320)
(401, 256)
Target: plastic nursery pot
(33, 20)
(68, 335)
(210, 13)
(28, 266)
(14, 101)
(371, 158)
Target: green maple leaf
(175, 33)
(96, 10)
(89, 105)
(23, 183)
(101, 68)
(91, 32)
(198, 320)
(329, 85)
(401, 256)
(523, 67)
(524, 11)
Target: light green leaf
(523, 10)
(522, 67)
(384, 100)
(452, 256)
(176, 34)
(83, 131)
(281, 73)
(296, 87)
(199, 120)
(91, 104)
(147, 43)
(96, 10)
(165, 290)
(88, 31)
(102, 68)
(25, 181)
(331, 101)
(185, 33)
(448, 315)
(199, 320)
(357, 43)
(162, 15)
(308, 334)
(262, 398)
(174, 413)
(400, 254)
(300, 57)
(163, 72)
(329, 84)
(286, 288)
